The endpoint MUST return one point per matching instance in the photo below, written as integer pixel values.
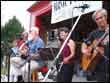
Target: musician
(34, 43)
(68, 53)
(25, 35)
(100, 17)
(16, 59)
(17, 42)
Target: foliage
(11, 29)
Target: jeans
(66, 73)
(102, 71)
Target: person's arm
(100, 50)
(85, 49)
(72, 46)
(35, 56)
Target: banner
(63, 10)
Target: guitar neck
(98, 42)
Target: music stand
(9, 53)
(48, 53)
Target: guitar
(90, 62)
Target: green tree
(11, 28)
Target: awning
(40, 8)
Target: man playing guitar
(102, 55)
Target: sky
(18, 9)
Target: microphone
(83, 6)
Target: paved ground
(80, 79)
(75, 79)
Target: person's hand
(35, 56)
(65, 60)
(87, 52)
(100, 50)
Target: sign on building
(63, 10)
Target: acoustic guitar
(90, 62)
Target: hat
(23, 45)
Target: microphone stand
(8, 67)
(56, 58)
(29, 73)
(7, 47)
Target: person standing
(68, 54)
(101, 70)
